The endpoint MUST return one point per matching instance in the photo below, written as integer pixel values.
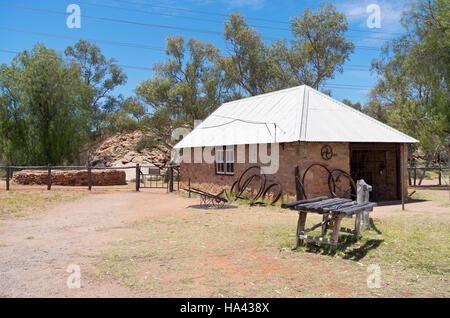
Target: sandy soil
(36, 251)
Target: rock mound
(120, 151)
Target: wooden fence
(418, 174)
(138, 170)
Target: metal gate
(156, 178)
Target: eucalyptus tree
(412, 92)
(44, 108)
(318, 51)
(188, 86)
(100, 73)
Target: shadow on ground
(346, 242)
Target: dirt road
(36, 251)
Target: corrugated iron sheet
(295, 114)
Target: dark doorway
(378, 164)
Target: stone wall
(71, 178)
(300, 154)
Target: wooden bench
(333, 210)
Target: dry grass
(22, 203)
(245, 252)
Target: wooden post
(357, 226)
(336, 229)
(8, 174)
(440, 170)
(49, 178)
(170, 179)
(409, 176)
(89, 177)
(402, 175)
(189, 186)
(300, 228)
(362, 196)
(415, 175)
(138, 177)
(325, 225)
(298, 186)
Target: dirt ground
(35, 251)
(121, 239)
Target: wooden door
(378, 165)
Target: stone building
(294, 127)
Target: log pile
(71, 177)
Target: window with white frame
(225, 160)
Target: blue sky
(202, 15)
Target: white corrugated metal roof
(295, 114)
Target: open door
(379, 165)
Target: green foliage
(356, 105)
(101, 74)
(146, 143)
(123, 115)
(44, 110)
(188, 86)
(318, 50)
(412, 89)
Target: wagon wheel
(233, 194)
(246, 186)
(337, 184)
(306, 171)
(241, 181)
(278, 188)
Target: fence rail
(49, 168)
(413, 174)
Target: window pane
(219, 155)
(230, 154)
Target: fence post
(138, 177)
(170, 179)
(415, 175)
(7, 177)
(49, 177)
(89, 176)
(189, 186)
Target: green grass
(441, 197)
(434, 175)
(245, 252)
(22, 203)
